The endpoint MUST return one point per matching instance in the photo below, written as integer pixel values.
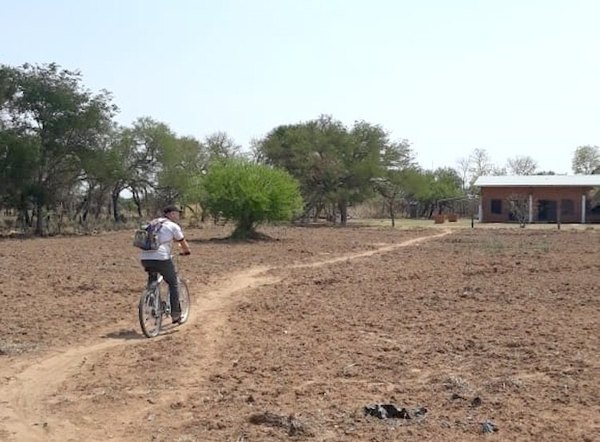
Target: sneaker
(176, 317)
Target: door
(547, 211)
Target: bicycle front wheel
(150, 313)
(184, 301)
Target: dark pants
(167, 270)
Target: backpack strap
(159, 222)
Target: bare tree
(586, 160)
(480, 164)
(463, 166)
(519, 207)
(221, 146)
(521, 165)
(499, 170)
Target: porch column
(481, 210)
(583, 209)
(530, 208)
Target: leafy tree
(429, 190)
(391, 188)
(17, 177)
(398, 187)
(521, 165)
(183, 169)
(250, 194)
(334, 165)
(441, 187)
(148, 158)
(100, 169)
(586, 160)
(47, 107)
(309, 152)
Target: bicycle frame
(164, 306)
(154, 305)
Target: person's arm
(185, 247)
(178, 236)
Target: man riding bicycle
(160, 261)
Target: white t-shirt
(168, 232)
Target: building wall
(543, 200)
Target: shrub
(250, 194)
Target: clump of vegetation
(250, 194)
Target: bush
(250, 194)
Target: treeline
(63, 159)
(62, 156)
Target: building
(539, 198)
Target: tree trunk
(39, 219)
(392, 213)
(138, 201)
(24, 218)
(244, 229)
(343, 206)
(317, 213)
(115, 205)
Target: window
(497, 207)
(567, 207)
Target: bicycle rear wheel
(150, 312)
(184, 300)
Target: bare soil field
(299, 337)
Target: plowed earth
(290, 339)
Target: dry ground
(290, 339)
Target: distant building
(545, 198)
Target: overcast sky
(514, 77)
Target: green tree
(136, 155)
(18, 154)
(440, 188)
(250, 194)
(182, 162)
(336, 166)
(310, 153)
(392, 189)
(47, 108)
(397, 160)
(367, 155)
(586, 160)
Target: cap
(169, 209)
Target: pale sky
(514, 77)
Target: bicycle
(152, 308)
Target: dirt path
(27, 383)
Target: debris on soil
(293, 426)
(390, 411)
(488, 427)
(476, 402)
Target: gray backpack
(146, 237)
